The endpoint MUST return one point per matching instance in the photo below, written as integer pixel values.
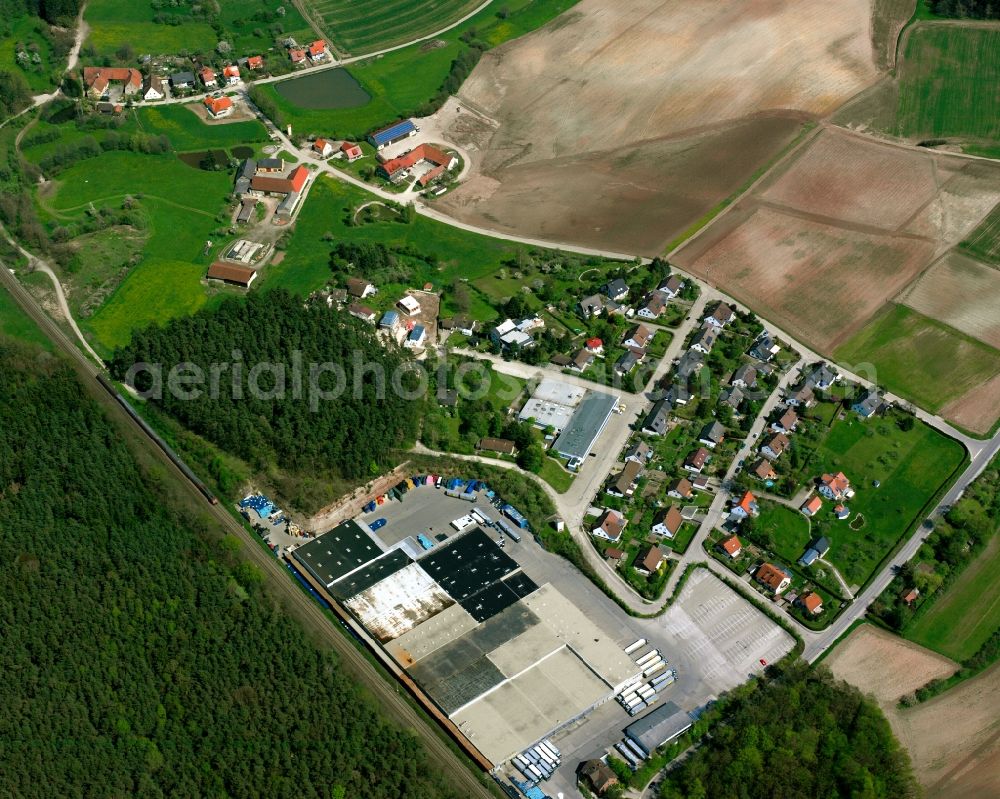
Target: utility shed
(659, 727)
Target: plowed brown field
(668, 87)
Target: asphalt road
(394, 703)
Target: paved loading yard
(711, 636)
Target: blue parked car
(378, 524)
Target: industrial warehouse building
(660, 727)
(578, 416)
(506, 660)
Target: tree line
(971, 9)
(353, 434)
(142, 656)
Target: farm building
(438, 160)
(266, 184)
(219, 107)
(100, 81)
(270, 165)
(391, 134)
(503, 446)
(232, 274)
(660, 727)
(246, 210)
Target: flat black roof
(338, 552)
(499, 596)
(374, 572)
(468, 564)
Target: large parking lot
(711, 636)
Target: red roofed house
(297, 56)
(231, 74)
(649, 561)
(99, 79)
(812, 602)
(208, 77)
(812, 506)
(255, 62)
(731, 546)
(352, 152)
(595, 345)
(232, 274)
(323, 147)
(317, 50)
(219, 107)
(835, 486)
(774, 578)
(747, 506)
(394, 168)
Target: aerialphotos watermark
(361, 378)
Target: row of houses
(112, 83)
(612, 296)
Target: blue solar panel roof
(393, 132)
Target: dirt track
(627, 120)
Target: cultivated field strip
(984, 241)
(366, 27)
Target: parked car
(378, 524)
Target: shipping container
(553, 755)
(634, 646)
(635, 748)
(649, 657)
(515, 516)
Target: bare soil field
(632, 199)
(976, 410)
(849, 179)
(818, 282)
(645, 80)
(954, 739)
(886, 666)
(960, 292)
(964, 200)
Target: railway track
(390, 698)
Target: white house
(409, 304)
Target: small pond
(331, 88)
(206, 159)
(242, 152)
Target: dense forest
(137, 660)
(972, 9)
(61, 12)
(798, 732)
(257, 341)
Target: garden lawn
(912, 466)
(961, 620)
(187, 131)
(919, 358)
(788, 528)
(400, 82)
